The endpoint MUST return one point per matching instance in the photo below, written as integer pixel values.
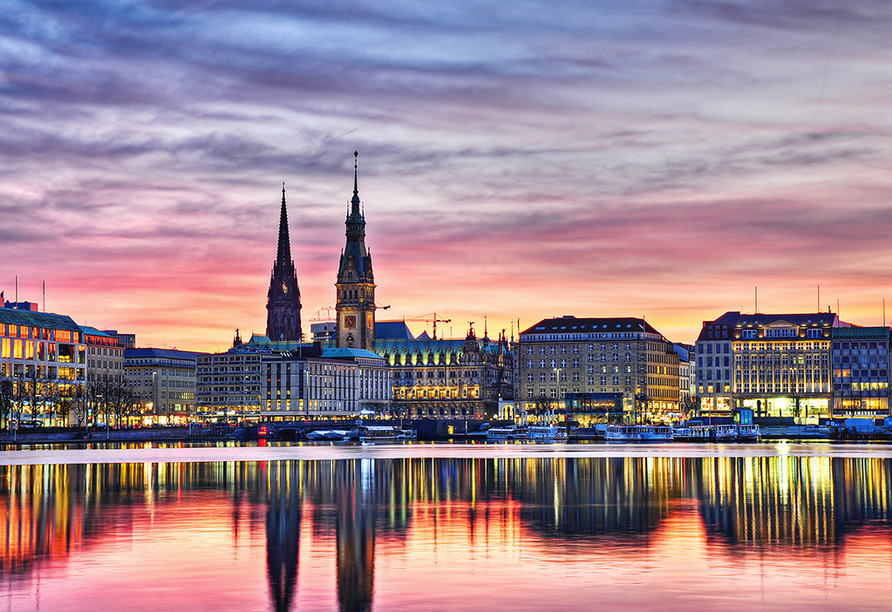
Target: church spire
(283, 299)
(283, 254)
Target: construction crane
(328, 310)
(429, 318)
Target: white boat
(365, 433)
(725, 433)
(656, 433)
(406, 434)
(336, 434)
(509, 432)
(547, 433)
(622, 433)
(318, 434)
(748, 433)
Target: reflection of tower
(283, 299)
(356, 536)
(356, 283)
(283, 532)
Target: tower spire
(283, 298)
(356, 281)
(283, 253)
(355, 201)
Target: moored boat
(547, 433)
(318, 434)
(509, 432)
(380, 433)
(622, 433)
(337, 434)
(748, 433)
(656, 433)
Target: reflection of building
(860, 371)
(623, 355)
(283, 514)
(163, 380)
(283, 299)
(356, 282)
(776, 365)
(356, 535)
(446, 378)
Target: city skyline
(516, 161)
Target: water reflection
(346, 520)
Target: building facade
(598, 360)
(339, 383)
(163, 383)
(860, 357)
(777, 365)
(105, 358)
(228, 385)
(43, 367)
(355, 300)
(446, 378)
(283, 298)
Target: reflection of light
(782, 447)
(367, 474)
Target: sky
(517, 160)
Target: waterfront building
(777, 365)
(860, 357)
(105, 358)
(228, 384)
(43, 365)
(124, 340)
(597, 360)
(163, 382)
(355, 301)
(334, 383)
(446, 378)
(283, 298)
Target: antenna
(757, 301)
(819, 298)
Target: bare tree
(7, 400)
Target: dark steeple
(283, 299)
(284, 251)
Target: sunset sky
(518, 160)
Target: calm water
(422, 527)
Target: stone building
(778, 365)
(446, 378)
(163, 382)
(600, 361)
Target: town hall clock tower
(356, 282)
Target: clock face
(350, 321)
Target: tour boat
(656, 433)
(748, 433)
(318, 434)
(509, 432)
(336, 434)
(547, 433)
(622, 433)
(365, 433)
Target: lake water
(441, 527)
